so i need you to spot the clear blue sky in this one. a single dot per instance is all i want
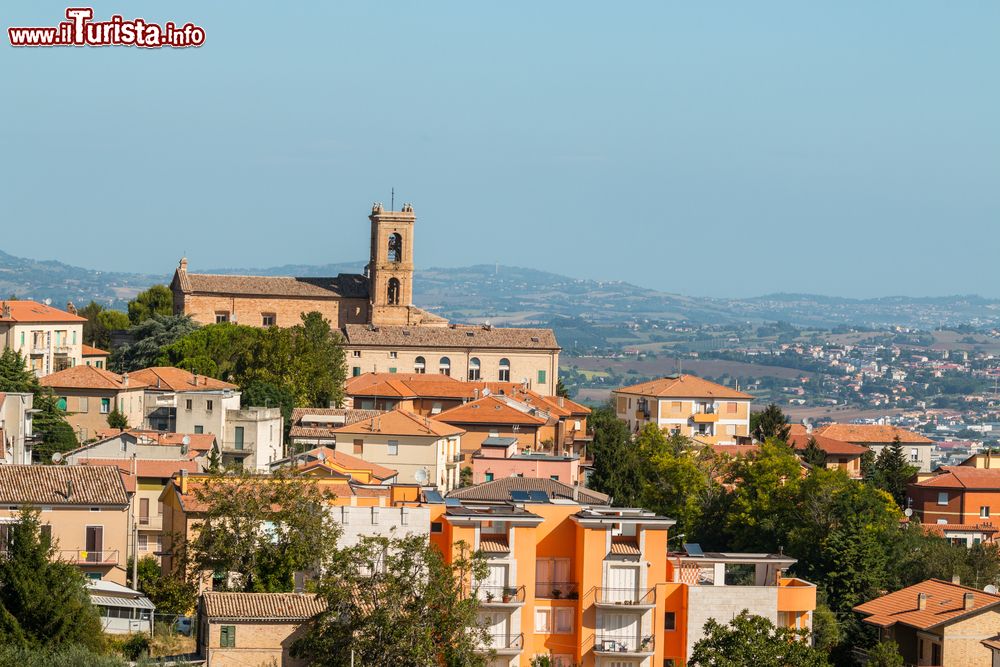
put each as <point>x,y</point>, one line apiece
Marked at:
<point>723,148</point>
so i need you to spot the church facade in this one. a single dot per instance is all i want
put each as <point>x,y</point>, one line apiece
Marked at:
<point>383,330</point>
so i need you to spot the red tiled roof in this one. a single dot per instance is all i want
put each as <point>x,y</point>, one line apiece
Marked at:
<point>489,410</point>
<point>408,385</point>
<point>945,603</point>
<point>874,433</point>
<point>32,311</point>
<point>454,336</point>
<point>176,379</point>
<point>963,477</point>
<point>401,422</point>
<point>334,459</point>
<point>493,544</point>
<point>61,485</point>
<point>625,547</point>
<point>89,377</point>
<point>735,451</point>
<point>262,606</point>
<point>161,468</point>
<point>683,386</point>
<point>89,351</point>
<point>799,441</point>
<point>939,528</point>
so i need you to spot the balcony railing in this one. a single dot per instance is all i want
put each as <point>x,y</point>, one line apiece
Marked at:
<point>457,458</point>
<point>501,594</point>
<point>626,597</point>
<point>84,557</point>
<point>616,644</point>
<point>555,590</point>
<point>151,522</point>
<point>244,447</point>
<point>504,643</point>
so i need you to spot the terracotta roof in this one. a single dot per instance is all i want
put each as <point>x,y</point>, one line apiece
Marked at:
<point>262,606</point>
<point>993,643</point>
<point>401,422</point>
<point>455,336</point>
<point>162,468</point>
<point>345,285</point>
<point>799,441</point>
<point>89,351</point>
<point>939,528</point>
<point>408,385</point>
<point>735,451</point>
<point>490,410</point>
<point>963,477</point>
<point>499,489</point>
<point>683,386</point>
<point>875,433</point>
<point>32,311</point>
<point>626,546</point>
<point>168,378</point>
<point>495,544</point>
<point>89,377</point>
<point>944,604</point>
<point>334,458</point>
<point>198,443</point>
<point>61,485</point>
<point>348,417</point>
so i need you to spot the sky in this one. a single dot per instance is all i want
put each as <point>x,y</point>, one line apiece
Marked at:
<point>719,148</point>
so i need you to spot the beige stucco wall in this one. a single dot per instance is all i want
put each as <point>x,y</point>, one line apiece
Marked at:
<point>257,644</point>
<point>962,647</point>
<point>83,408</point>
<point>414,453</point>
<point>66,338</point>
<point>69,534</point>
<point>676,414</point>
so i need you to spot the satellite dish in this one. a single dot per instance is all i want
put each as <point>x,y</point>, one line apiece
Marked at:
<point>321,457</point>
<point>186,440</point>
<point>991,589</point>
<point>421,476</point>
<point>57,458</point>
<point>47,302</point>
<point>908,512</point>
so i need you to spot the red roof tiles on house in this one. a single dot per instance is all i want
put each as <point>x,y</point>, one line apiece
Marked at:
<point>168,378</point>
<point>799,441</point>
<point>90,377</point>
<point>88,351</point>
<point>401,422</point>
<point>872,433</point>
<point>262,606</point>
<point>683,386</point>
<point>490,410</point>
<point>61,485</point>
<point>30,312</point>
<point>963,477</point>
<point>945,603</point>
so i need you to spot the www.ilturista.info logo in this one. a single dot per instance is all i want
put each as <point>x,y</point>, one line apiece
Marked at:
<point>81,30</point>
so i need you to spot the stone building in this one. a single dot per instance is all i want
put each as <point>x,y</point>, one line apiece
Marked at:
<point>384,331</point>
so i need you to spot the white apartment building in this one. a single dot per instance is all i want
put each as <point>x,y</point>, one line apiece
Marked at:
<point>50,339</point>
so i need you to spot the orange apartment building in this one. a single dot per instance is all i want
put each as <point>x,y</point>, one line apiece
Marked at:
<point>687,405</point>
<point>83,510</point>
<point>957,502</point>
<point>594,585</point>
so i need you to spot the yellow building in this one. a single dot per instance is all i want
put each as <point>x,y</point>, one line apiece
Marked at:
<point>687,405</point>
<point>49,339</point>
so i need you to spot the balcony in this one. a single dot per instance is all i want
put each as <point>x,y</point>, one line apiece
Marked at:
<point>504,644</point>
<point>84,557</point>
<point>623,647</point>
<point>619,598</point>
<point>150,522</point>
<point>62,349</point>
<point>557,590</point>
<point>705,417</point>
<point>500,596</point>
<point>39,349</point>
<point>238,448</point>
<point>796,595</point>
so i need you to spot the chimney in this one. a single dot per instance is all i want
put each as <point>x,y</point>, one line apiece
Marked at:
<point>184,482</point>
<point>967,601</point>
<point>70,308</point>
<point>125,379</point>
<point>921,601</point>
<point>300,582</point>
<point>562,401</point>
<point>194,379</point>
<point>183,265</point>
<point>956,579</point>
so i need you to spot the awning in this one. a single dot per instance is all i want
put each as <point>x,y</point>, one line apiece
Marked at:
<point>133,603</point>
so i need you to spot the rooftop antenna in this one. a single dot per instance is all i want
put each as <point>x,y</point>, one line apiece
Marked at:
<point>392,199</point>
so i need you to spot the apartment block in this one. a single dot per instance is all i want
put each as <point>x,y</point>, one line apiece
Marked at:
<point>957,502</point>
<point>875,437</point>
<point>89,394</point>
<point>49,339</point>
<point>16,427</point>
<point>687,405</point>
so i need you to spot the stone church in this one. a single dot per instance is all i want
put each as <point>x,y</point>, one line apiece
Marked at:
<point>383,330</point>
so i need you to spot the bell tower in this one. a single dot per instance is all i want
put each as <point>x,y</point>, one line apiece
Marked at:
<point>390,265</point>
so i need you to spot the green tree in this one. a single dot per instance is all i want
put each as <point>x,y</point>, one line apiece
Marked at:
<point>157,300</point>
<point>100,323</point>
<point>321,362</point>
<point>259,530</point>
<point>561,389</point>
<point>43,601</point>
<point>885,654</point>
<point>617,469</point>
<point>14,373</point>
<point>149,340</point>
<point>395,601</point>
<point>891,471</point>
<point>171,593</point>
<point>465,477</point>
<point>826,629</point>
<point>770,423</point>
<point>813,455</point>
<point>753,640</point>
<point>53,433</point>
<point>118,420</point>
<point>265,394</point>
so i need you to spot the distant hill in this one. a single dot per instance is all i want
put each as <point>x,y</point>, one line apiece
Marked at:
<point>522,296</point>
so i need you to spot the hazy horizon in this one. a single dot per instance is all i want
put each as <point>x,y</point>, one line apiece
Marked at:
<point>730,150</point>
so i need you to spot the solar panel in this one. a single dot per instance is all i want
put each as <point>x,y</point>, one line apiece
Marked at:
<point>693,549</point>
<point>452,502</point>
<point>433,497</point>
<point>538,496</point>
<point>520,496</point>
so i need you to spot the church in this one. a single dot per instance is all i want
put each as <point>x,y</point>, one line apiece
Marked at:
<point>383,331</point>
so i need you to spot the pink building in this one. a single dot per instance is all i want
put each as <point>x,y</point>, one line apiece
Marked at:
<point>498,457</point>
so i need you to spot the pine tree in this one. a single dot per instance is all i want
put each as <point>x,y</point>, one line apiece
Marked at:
<point>771,423</point>
<point>617,468</point>
<point>118,420</point>
<point>891,472</point>
<point>813,455</point>
<point>14,373</point>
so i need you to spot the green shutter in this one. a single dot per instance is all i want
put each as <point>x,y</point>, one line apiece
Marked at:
<point>227,636</point>
<point>541,377</point>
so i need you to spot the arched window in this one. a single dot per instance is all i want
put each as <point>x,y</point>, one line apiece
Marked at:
<point>444,366</point>
<point>474,368</point>
<point>505,370</point>
<point>393,292</point>
<point>419,366</point>
<point>395,247</point>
